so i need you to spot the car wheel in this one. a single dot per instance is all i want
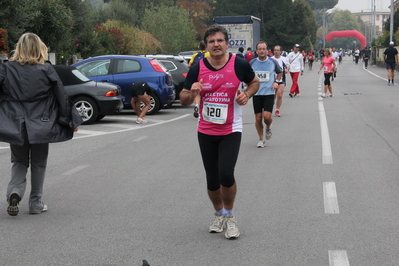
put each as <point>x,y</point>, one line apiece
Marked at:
<point>87,109</point>
<point>155,105</point>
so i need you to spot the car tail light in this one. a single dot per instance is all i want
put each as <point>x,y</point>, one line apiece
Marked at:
<point>112,93</point>
<point>169,79</point>
<point>185,74</point>
<point>156,66</point>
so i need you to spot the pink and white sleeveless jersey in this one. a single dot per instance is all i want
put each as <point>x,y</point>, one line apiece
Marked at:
<point>219,112</point>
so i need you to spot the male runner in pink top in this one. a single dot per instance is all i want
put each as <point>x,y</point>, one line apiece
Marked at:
<point>217,80</point>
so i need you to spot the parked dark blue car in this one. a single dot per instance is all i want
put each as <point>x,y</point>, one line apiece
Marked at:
<point>124,70</point>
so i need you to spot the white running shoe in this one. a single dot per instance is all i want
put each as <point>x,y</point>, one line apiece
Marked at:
<point>231,227</point>
<point>141,120</point>
<point>268,133</point>
<point>217,223</point>
<point>323,95</point>
<point>261,143</point>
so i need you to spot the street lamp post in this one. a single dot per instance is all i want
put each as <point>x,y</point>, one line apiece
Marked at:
<point>391,22</point>
<point>324,28</point>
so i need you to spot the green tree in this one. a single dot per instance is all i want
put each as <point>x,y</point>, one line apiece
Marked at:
<point>135,41</point>
<point>277,20</point>
<point>141,5</point>
<point>54,26</point>
<point>118,10</point>
<point>284,22</point>
<point>177,34</point>
<point>304,27</point>
<point>24,11</point>
<point>322,4</point>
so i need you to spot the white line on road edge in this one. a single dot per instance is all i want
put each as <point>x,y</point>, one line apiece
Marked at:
<point>338,258</point>
<point>75,170</point>
<point>325,136</point>
<point>330,198</point>
<point>374,74</point>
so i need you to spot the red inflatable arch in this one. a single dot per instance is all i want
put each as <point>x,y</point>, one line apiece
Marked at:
<point>348,33</point>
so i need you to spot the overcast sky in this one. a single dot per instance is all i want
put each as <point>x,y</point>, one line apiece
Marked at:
<point>365,5</point>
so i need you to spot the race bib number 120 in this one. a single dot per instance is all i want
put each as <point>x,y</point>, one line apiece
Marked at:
<point>215,112</point>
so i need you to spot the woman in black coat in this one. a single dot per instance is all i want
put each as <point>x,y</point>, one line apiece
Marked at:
<point>34,111</point>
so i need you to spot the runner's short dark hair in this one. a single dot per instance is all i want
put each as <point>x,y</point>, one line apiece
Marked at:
<point>215,29</point>
<point>267,46</point>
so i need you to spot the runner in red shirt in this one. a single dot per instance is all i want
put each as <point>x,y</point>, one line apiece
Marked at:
<point>249,54</point>
<point>310,59</point>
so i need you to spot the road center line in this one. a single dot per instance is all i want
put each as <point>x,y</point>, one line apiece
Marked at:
<point>330,198</point>
<point>325,136</point>
<point>338,258</point>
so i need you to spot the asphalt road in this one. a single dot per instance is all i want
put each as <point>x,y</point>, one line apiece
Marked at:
<point>324,190</point>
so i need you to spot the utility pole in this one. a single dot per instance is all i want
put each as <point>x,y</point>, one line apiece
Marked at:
<point>324,28</point>
<point>391,22</point>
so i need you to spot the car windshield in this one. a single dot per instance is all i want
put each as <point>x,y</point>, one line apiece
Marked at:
<point>168,65</point>
<point>95,68</point>
<point>80,76</point>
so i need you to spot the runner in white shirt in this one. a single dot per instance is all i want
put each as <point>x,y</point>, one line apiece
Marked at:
<point>295,59</point>
<point>285,66</point>
<point>335,55</point>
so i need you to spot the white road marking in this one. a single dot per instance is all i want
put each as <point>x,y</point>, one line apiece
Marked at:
<point>140,138</point>
<point>5,147</point>
<point>338,258</point>
<point>136,127</point>
<point>118,125</point>
<point>374,74</point>
<point>89,133</point>
<point>325,136</point>
<point>75,170</point>
<point>330,198</point>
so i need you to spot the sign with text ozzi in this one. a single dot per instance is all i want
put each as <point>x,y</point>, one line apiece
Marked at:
<point>240,35</point>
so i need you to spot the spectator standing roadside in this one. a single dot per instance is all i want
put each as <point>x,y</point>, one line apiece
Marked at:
<point>391,60</point>
<point>31,90</point>
<point>269,74</point>
<point>285,66</point>
<point>220,121</point>
<point>295,60</point>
